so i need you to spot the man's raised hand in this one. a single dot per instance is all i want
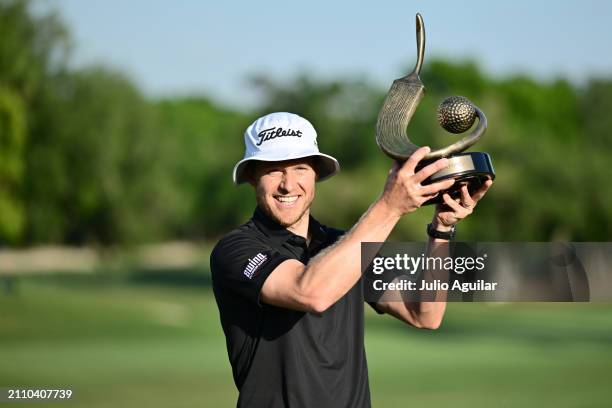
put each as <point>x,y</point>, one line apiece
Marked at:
<point>404,192</point>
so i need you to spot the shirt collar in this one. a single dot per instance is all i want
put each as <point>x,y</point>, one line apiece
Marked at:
<point>280,234</point>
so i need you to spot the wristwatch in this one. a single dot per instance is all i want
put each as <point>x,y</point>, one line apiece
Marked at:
<point>432,232</point>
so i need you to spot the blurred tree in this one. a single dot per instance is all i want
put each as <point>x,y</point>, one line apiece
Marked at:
<point>32,50</point>
<point>595,148</point>
<point>448,78</point>
<point>94,168</point>
<point>595,104</point>
<point>203,142</point>
<point>12,140</point>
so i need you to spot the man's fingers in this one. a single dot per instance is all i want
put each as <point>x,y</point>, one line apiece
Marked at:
<point>415,158</point>
<point>455,206</point>
<point>478,194</point>
<point>430,169</point>
<point>434,188</point>
<point>466,199</point>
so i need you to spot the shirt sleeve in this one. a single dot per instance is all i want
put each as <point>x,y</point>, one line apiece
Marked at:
<point>241,264</point>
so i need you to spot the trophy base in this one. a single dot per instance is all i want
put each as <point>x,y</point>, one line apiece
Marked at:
<point>471,169</point>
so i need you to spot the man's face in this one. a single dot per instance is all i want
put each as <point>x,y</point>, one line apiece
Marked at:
<point>285,190</point>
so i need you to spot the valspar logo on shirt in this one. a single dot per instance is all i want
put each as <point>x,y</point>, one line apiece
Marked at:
<point>254,264</point>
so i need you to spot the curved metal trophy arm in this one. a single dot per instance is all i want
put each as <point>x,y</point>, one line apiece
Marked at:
<point>401,103</point>
<point>420,38</point>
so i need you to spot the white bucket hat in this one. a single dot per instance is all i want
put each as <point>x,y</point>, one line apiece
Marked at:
<point>282,136</point>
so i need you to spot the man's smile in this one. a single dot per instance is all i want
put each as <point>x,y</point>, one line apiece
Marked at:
<point>286,200</point>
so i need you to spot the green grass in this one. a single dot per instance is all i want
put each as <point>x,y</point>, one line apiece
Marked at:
<point>143,346</point>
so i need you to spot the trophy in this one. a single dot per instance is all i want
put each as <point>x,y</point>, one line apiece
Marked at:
<point>456,114</point>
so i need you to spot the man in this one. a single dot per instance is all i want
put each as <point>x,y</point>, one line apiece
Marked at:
<point>289,290</point>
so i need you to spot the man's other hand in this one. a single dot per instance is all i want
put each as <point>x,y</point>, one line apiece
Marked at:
<point>451,211</point>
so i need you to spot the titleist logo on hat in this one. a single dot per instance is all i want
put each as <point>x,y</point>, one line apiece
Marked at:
<point>274,132</point>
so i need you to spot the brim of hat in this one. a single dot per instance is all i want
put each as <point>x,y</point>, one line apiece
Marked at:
<point>326,165</point>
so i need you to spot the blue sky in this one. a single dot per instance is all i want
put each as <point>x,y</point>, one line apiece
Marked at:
<point>190,47</point>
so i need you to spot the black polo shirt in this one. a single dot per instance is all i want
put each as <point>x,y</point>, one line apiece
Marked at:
<point>282,357</point>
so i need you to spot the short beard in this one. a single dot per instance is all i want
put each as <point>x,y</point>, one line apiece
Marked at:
<point>288,224</point>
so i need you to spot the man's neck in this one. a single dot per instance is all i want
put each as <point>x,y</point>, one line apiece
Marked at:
<point>301,226</point>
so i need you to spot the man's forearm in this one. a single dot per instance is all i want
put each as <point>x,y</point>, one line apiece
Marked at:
<point>426,314</point>
<point>332,273</point>
<point>430,313</point>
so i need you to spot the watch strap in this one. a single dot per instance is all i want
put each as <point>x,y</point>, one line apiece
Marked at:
<point>434,233</point>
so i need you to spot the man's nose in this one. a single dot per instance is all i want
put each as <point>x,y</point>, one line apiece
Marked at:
<point>287,182</point>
